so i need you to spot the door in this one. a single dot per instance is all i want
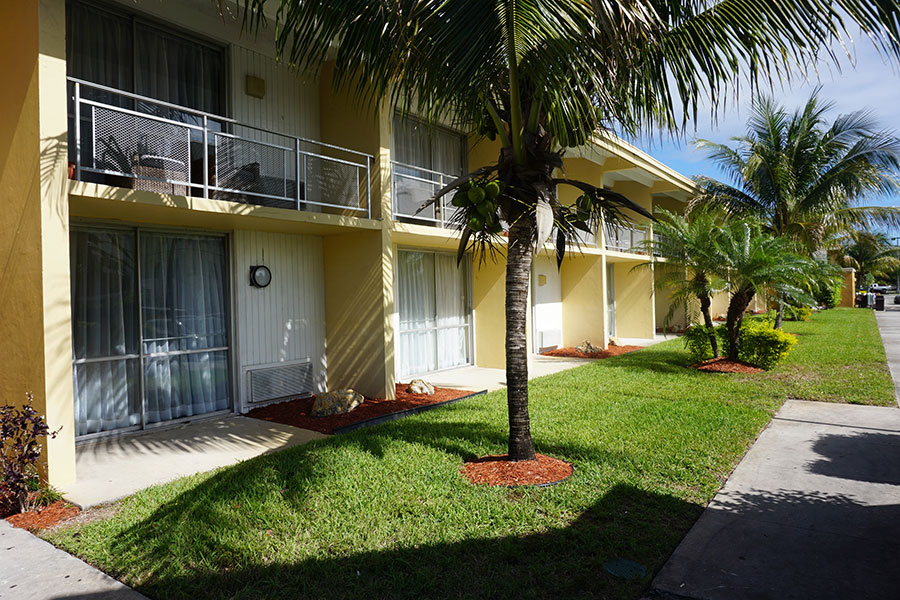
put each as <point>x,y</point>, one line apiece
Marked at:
<point>149,327</point>
<point>611,299</point>
<point>434,312</point>
<point>546,298</point>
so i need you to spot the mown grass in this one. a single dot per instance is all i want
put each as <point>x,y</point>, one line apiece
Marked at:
<point>384,513</point>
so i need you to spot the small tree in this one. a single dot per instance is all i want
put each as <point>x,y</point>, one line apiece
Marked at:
<point>755,262</point>
<point>689,248</point>
<point>21,429</point>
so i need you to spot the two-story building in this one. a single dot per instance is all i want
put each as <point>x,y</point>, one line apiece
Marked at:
<point>190,228</point>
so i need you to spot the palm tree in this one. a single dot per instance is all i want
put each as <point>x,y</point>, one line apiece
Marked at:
<point>688,247</point>
<point>804,177</point>
<point>868,253</point>
<point>543,76</point>
<point>754,261</point>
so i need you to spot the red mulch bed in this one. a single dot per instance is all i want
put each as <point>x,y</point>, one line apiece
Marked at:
<point>497,470</point>
<point>573,353</point>
<point>723,365</point>
<point>296,412</point>
<point>46,516</point>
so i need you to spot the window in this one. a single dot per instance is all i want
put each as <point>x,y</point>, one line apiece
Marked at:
<point>424,160</point>
<point>149,327</point>
<point>434,312</point>
<point>125,52</point>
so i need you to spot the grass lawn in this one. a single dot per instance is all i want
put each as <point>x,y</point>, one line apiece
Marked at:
<point>383,512</point>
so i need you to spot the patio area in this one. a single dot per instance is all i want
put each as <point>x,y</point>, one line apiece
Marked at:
<point>114,467</point>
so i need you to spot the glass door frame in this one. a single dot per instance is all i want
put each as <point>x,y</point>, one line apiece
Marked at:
<point>139,319</point>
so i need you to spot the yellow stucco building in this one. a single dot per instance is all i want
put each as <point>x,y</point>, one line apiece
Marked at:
<point>191,229</point>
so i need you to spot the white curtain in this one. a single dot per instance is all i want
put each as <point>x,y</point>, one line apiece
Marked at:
<point>452,313</point>
<point>433,312</point>
<point>104,330</point>
<point>416,309</point>
<point>184,302</point>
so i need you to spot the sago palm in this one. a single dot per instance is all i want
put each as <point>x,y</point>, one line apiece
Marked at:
<point>687,247</point>
<point>541,76</point>
<point>753,261</point>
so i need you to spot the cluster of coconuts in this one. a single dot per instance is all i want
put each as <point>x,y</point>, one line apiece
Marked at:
<point>479,201</point>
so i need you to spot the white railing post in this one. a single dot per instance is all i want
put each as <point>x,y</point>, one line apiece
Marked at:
<point>206,157</point>
<point>297,172</point>
<point>369,188</point>
<point>77,131</point>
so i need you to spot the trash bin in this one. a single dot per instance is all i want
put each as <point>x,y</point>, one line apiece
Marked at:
<point>879,302</point>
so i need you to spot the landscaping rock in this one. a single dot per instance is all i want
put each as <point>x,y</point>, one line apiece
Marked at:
<point>420,386</point>
<point>587,348</point>
<point>337,402</point>
<point>614,341</point>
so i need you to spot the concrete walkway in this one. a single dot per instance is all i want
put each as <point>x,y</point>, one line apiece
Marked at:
<point>812,511</point>
<point>889,326</point>
<point>32,569</point>
<point>115,467</point>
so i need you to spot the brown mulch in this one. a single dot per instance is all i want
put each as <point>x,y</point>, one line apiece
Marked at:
<point>723,365</point>
<point>497,470</point>
<point>296,412</point>
<point>44,517</point>
<point>573,353</point>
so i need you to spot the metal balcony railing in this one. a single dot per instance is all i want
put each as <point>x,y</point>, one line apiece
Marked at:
<point>412,186</point>
<point>625,239</point>
<point>133,141</point>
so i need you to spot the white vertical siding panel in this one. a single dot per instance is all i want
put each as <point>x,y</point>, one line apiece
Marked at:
<point>291,104</point>
<point>285,321</point>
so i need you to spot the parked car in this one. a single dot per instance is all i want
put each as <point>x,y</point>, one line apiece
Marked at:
<point>897,299</point>
<point>880,288</point>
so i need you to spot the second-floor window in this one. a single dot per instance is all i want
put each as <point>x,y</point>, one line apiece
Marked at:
<point>125,52</point>
<point>425,159</point>
<point>428,148</point>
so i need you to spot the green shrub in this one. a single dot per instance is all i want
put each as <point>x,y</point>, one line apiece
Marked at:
<point>828,295</point>
<point>763,346</point>
<point>797,313</point>
<point>696,340</point>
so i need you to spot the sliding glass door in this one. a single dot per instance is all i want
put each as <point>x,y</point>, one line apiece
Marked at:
<point>434,314</point>
<point>150,327</point>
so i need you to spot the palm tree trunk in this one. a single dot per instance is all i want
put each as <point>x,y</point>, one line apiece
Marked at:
<point>779,314</point>
<point>740,300</point>
<point>705,302</point>
<point>518,271</point>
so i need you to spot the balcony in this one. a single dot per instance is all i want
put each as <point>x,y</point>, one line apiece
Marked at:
<point>411,187</point>
<point>625,239</point>
<point>132,141</point>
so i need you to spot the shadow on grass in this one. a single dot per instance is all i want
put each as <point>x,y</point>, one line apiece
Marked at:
<point>559,563</point>
<point>654,359</point>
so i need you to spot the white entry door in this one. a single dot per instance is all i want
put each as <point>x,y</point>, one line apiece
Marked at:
<point>546,298</point>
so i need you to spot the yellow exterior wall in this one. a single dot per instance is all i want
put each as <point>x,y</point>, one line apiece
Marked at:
<point>663,302</point>
<point>359,304</point>
<point>635,316</point>
<point>35,330</point>
<point>848,290</point>
<point>582,300</point>
<point>489,305</point>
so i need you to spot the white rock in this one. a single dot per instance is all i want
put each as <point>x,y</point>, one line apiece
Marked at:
<point>420,386</point>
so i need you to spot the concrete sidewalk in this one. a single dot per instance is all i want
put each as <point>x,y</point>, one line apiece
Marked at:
<point>889,326</point>
<point>812,511</point>
<point>32,569</point>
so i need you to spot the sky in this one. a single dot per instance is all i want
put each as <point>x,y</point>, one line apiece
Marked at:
<point>865,82</point>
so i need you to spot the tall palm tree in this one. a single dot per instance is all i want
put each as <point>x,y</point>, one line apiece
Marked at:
<point>753,261</point>
<point>542,76</point>
<point>803,177</point>
<point>688,247</point>
<point>870,254</point>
